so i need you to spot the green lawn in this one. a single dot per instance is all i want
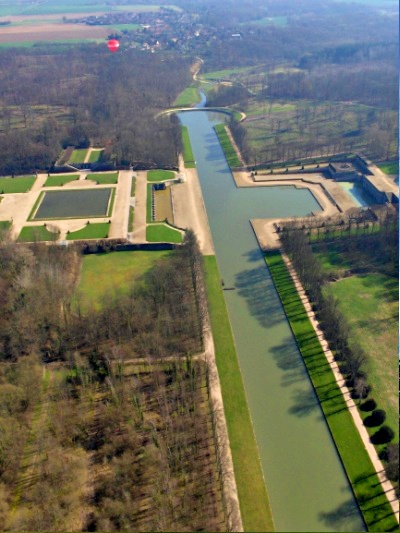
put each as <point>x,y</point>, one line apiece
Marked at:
<point>5,225</point>
<point>370,305</point>
<point>253,497</point>
<point>373,503</point>
<point>390,167</point>
<point>154,176</point>
<point>16,185</point>
<point>188,156</point>
<point>95,155</point>
<point>94,230</point>
<point>111,274</point>
<point>108,178</point>
<point>188,97</point>
<point>36,233</point>
<point>163,233</point>
<point>229,151</point>
<point>131,218</point>
<point>78,155</point>
<point>62,179</point>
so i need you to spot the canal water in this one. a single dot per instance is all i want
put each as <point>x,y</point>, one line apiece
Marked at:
<point>306,483</point>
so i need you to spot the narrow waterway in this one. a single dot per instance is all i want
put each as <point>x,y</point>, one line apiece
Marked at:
<point>306,483</point>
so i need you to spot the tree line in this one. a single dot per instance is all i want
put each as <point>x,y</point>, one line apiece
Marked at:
<point>350,356</point>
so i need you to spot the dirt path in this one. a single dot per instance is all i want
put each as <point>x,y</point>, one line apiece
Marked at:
<point>189,209</point>
<point>387,487</point>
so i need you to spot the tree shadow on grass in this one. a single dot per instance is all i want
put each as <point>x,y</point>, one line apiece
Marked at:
<point>259,292</point>
<point>343,518</point>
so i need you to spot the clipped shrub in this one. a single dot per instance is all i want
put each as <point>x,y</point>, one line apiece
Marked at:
<point>384,435</point>
<point>368,405</point>
<point>376,418</point>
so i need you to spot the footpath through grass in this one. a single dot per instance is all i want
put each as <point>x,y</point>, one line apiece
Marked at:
<point>375,508</point>
<point>229,151</point>
<point>188,155</point>
<point>253,497</point>
<point>16,185</point>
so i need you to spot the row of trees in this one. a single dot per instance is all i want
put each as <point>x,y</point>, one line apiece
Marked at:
<point>350,356</point>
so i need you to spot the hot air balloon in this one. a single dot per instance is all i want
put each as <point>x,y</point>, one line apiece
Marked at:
<point>113,45</point>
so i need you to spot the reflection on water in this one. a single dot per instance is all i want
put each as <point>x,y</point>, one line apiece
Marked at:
<point>305,479</point>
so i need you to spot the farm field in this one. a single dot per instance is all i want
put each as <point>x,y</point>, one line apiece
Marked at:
<point>105,275</point>
<point>16,185</point>
<point>74,204</point>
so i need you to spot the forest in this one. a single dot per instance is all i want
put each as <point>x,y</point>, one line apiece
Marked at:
<point>105,416</point>
<point>55,96</point>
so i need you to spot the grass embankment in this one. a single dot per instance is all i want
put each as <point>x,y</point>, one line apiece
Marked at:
<point>16,185</point>
<point>104,179</point>
<point>95,230</point>
<point>188,98</point>
<point>229,151</point>
<point>36,233</point>
<point>390,167</point>
<point>155,176</point>
<point>78,155</point>
<point>163,233</point>
<point>105,275</point>
<point>188,156</point>
<point>254,504</point>
<point>60,180</point>
<point>377,513</point>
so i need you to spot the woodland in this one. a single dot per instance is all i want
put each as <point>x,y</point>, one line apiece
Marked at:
<point>105,418</point>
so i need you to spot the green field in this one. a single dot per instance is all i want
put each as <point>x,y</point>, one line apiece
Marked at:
<point>94,230</point>
<point>156,176</point>
<point>104,275</point>
<point>188,156</point>
<point>163,233</point>
<point>78,155</point>
<point>36,233</point>
<point>229,151</point>
<point>370,305</point>
<point>95,155</point>
<point>16,185</point>
<point>5,225</point>
<point>108,178</point>
<point>390,167</point>
<point>253,497</point>
<point>373,503</point>
<point>60,180</point>
<point>187,98</point>
<point>62,6</point>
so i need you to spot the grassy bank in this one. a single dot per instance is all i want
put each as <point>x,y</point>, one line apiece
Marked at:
<point>188,156</point>
<point>254,504</point>
<point>189,97</point>
<point>229,151</point>
<point>377,513</point>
